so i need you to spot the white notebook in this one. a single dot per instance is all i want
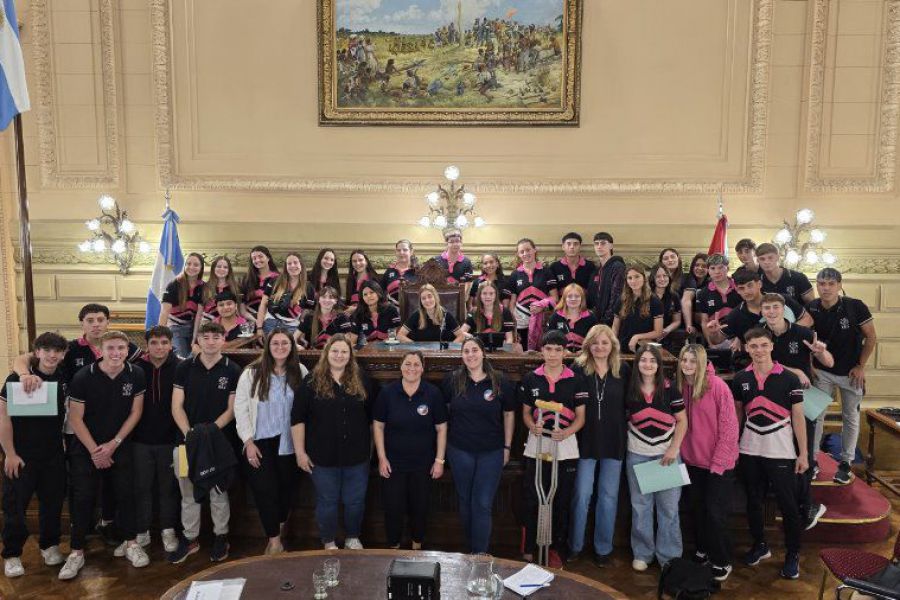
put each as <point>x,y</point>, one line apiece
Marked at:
<point>528,580</point>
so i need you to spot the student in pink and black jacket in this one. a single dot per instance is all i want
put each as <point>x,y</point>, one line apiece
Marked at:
<point>710,450</point>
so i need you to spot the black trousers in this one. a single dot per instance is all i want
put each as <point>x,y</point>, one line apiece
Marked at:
<point>759,475</point>
<point>47,478</point>
<point>272,485</point>
<point>406,494</point>
<point>710,497</point>
<point>86,477</point>
<point>562,502</point>
<point>804,481</point>
<point>154,475</point>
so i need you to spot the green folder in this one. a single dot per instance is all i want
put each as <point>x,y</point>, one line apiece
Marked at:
<point>41,403</point>
<point>653,477</point>
<point>815,401</point>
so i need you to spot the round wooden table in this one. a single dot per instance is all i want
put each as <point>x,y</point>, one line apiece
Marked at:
<point>364,576</point>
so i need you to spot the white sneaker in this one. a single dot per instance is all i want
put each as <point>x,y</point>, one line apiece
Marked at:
<point>639,565</point>
<point>119,552</point>
<point>52,556</point>
<point>353,544</point>
<point>143,539</point>
<point>72,566</point>
<point>137,556</point>
<point>331,546</point>
<point>169,540</point>
<point>12,567</point>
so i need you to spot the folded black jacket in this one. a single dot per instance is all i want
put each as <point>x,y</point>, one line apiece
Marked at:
<point>211,459</point>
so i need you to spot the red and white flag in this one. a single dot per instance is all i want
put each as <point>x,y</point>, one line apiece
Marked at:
<point>719,243</point>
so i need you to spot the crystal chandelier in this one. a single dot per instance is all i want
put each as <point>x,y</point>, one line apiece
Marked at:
<point>802,243</point>
<point>451,207</point>
<point>114,234</point>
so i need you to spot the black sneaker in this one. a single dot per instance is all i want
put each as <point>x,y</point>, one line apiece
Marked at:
<point>185,548</point>
<point>573,557</point>
<point>721,573</point>
<point>701,558</point>
<point>219,550</point>
<point>842,476</point>
<point>601,560</point>
<point>757,553</point>
<point>109,534</point>
<point>813,513</point>
<point>791,568</point>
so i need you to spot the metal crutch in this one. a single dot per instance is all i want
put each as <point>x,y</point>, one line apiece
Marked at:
<point>545,498</point>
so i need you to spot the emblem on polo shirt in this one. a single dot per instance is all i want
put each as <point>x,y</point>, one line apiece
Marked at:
<point>223,383</point>
<point>488,395</point>
<point>422,409</point>
<point>535,392</point>
<point>845,323</point>
<point>560,325</point>
<point>745,387</point>
<point>790,290</point>
<point>126,389</point>
<point>794,347</point>
<point>79,362</point>
<point>710,302</point>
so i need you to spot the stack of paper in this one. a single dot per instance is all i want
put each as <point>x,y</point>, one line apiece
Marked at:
<point>653,477</point>
<point>222,589</point>
<point>528,580</point>
<point>815,401</point>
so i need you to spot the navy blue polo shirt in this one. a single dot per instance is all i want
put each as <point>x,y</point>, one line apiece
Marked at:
<point>507,322</point>
<point>742,319</point>
<point>500,282</point>
<point>206,391</point>
<point>564,274</point>
<point>107,400</point>
<point>460,271</point>
<point>375,329</point>
<point>393,278</point>
<point>635,323</point>
<point>181,314</point>
<point>710,301</point>
<point>339,324</point>
<point>841,328</point>
<point>81,354</point>
<point>476,414</point>
<point>790,350</point>
<point>432,332</point>
<point>410,438</point>
<point>792,284</point>
<point>575,331</point>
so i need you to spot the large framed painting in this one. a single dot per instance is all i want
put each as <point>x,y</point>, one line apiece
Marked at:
<point>449,62</point>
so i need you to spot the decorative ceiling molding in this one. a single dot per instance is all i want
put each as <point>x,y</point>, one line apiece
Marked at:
<point>51,174</point>
<point>889,108</point>
<point>752,180</point>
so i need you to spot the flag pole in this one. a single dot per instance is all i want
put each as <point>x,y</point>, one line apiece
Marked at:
<point>25,232</point>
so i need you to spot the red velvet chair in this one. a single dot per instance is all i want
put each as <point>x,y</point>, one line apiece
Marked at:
<point>846,564</point>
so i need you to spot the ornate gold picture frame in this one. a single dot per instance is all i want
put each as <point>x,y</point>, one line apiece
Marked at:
<point>449,62</point>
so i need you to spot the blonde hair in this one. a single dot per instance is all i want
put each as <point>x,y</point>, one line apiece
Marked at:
<point>351,379</point>
<point>438,309</point>
<point>586,361</point>
<point>699,383</point>
<point>572,287</point>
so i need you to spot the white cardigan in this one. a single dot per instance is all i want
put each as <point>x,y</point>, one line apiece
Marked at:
<point>247,404</point>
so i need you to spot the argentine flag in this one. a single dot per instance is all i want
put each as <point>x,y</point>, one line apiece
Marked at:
<point>13,91</point>
<point>169,262</point>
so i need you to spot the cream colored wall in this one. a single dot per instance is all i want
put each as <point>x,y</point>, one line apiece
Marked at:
<point>780,103</point>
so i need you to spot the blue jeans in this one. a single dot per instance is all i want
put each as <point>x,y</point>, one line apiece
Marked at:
<point>269,325</point>
<point>346,485</point>
<point>476,476</point>
<point>182,336</point>
<point>668,528</point>
<point>607,489</point>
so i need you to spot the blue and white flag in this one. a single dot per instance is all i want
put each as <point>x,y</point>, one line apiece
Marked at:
<point>169,262</point>
<point>13,91</point>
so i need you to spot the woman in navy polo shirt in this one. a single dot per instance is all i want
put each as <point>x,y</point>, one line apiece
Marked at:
<point>662,286</point>
<point>491,270</point>
<point>697,278</point>
<point>325,321</point>
<point>375,315</point>
<point>431,323</point>
<point>181,304</point>
<point>671,260</point>
<point>572,317</point>
<point>639,314</point>
<point>359,271</point>
<point>482,419</point>
<point>261,269</point>
<point>221,278</point>
<point>282,304</point>
<point>410,431</point>
<point>402,269</point>
<point>324,273</point>
<point>489,315</point>
<point>532,290</point>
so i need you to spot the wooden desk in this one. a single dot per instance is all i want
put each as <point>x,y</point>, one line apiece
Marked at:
<point>876,421</point>
<point>364,575</point>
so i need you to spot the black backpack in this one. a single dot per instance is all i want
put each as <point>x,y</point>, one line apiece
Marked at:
<point>683,579</point>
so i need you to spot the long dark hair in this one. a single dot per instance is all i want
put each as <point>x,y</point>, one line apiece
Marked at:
<point>659,380</point>
<point>284,281</point>
<point>698,257</point>
<point>352,275</point>
<point>674,276</point>
<point>211,288</point>
<point>251,280</point>
<point>264,366</point>
<point>499,276</point>
<point>182,278</point>
<point>461,375</point>
<point>331,279</point>
<point>651,280</point>
<point>362,309</point>
<point>478,312</point>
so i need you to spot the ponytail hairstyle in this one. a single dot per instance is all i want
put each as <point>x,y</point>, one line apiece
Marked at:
<point>530,242</point>
<point>629,300</point>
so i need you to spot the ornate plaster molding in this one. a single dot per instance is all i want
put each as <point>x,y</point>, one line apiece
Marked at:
<point>752,180</point>
<point>51,174</point>
<point>883,179</point>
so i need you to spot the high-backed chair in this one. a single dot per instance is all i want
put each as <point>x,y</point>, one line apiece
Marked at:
<point>452,298</point>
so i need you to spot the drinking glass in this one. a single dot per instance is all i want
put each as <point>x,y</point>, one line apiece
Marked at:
<point>320,585</point>
<point>332,568</point>
<point>392,335</point>
<point>480,584</point>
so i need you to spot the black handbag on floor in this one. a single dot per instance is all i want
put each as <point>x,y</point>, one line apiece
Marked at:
<point>683,579</point>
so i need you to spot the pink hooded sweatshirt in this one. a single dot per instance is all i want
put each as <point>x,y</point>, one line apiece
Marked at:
<point>711,441</point>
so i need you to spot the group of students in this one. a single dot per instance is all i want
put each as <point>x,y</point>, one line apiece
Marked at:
<point>129,411</point>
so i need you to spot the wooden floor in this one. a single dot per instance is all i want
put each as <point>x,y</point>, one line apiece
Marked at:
<point>106,577</point>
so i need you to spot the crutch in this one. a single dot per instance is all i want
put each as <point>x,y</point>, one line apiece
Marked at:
<point>545,498</point>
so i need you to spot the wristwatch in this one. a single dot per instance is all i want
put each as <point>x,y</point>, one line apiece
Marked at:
<point>440,461</point>
<point>118,441</point>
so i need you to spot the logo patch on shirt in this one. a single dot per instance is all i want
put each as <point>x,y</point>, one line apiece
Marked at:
<point>488,395</point>
<point>710,303</point>
<point>745,387</point>
<point>790,290</point>
<point>845,323</point>
<point>79,362</point>
<point>422,409</point>
<point>535,392</point>
<point>794,348</point>
<point>223,383</point>
<point>560,326</point>
<point>126,389</point>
